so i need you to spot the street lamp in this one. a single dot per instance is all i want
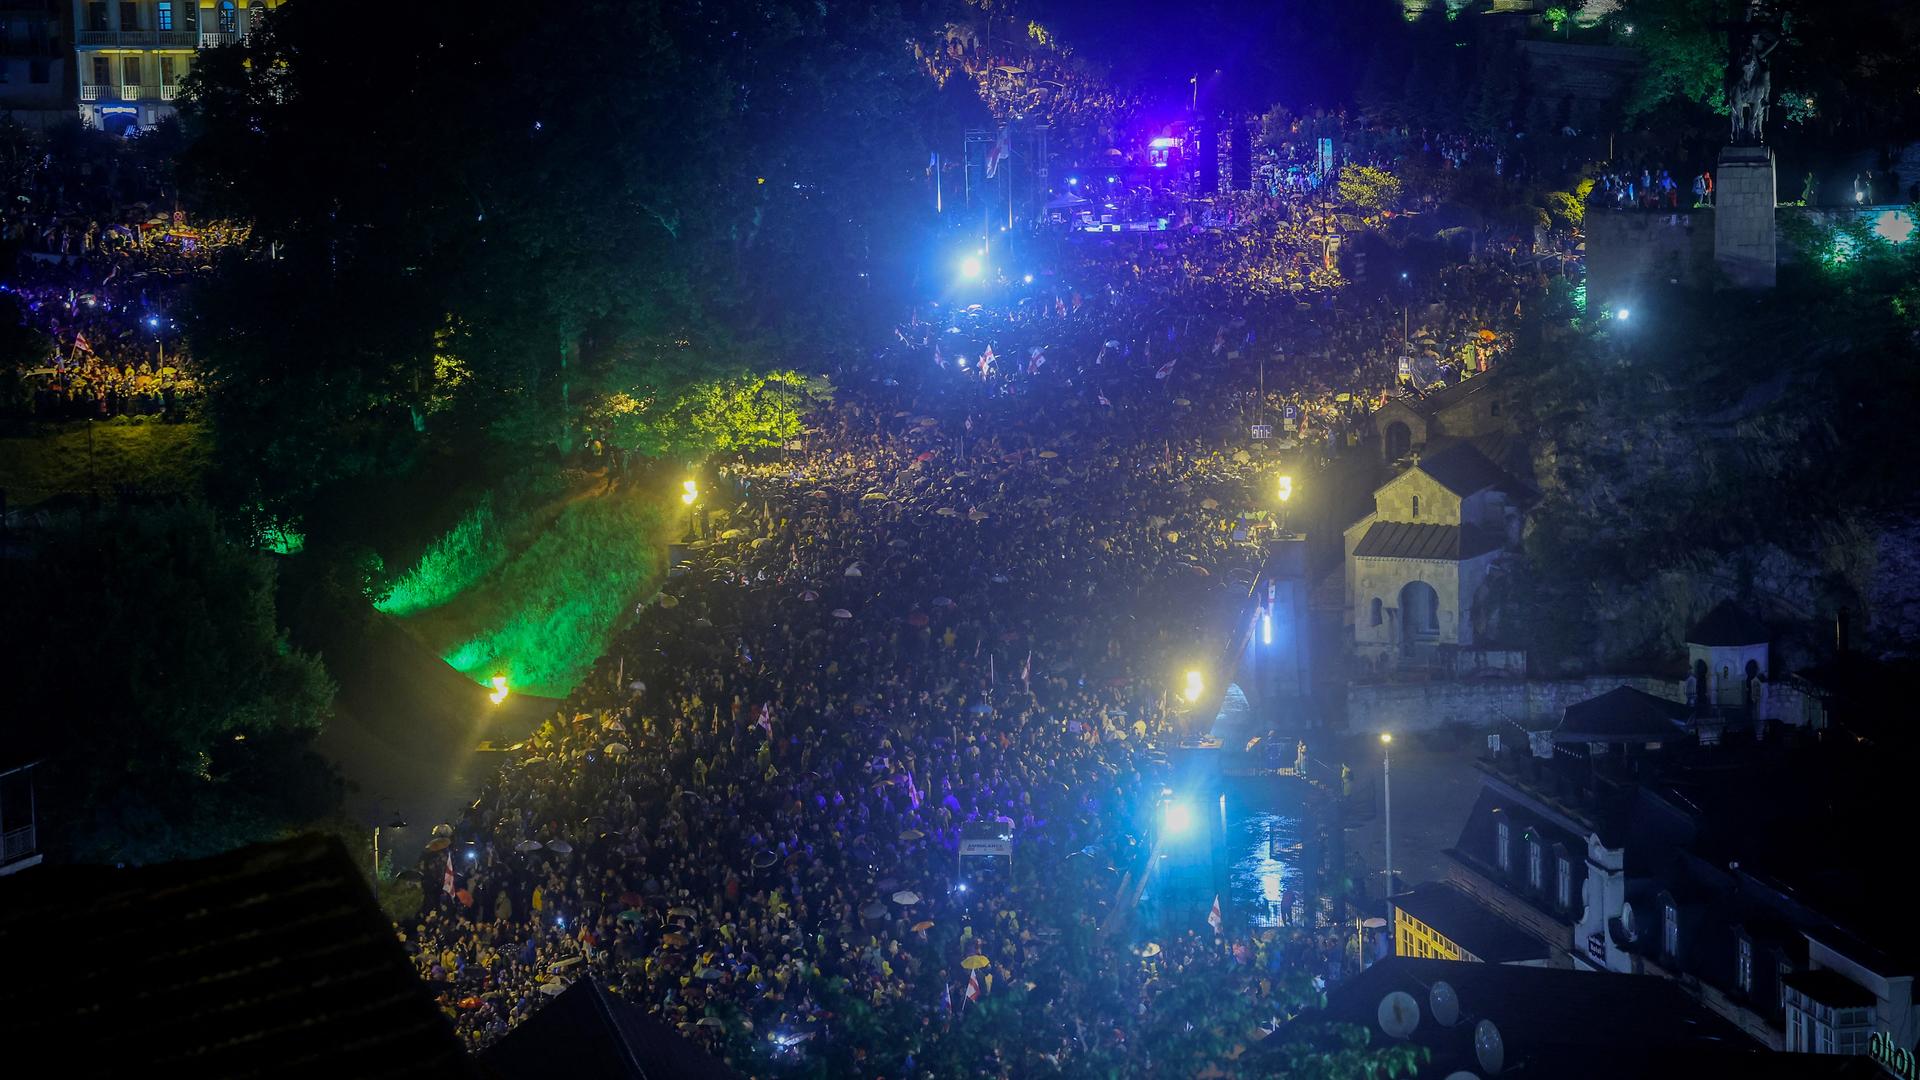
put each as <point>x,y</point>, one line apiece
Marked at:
<point>1386,773</point>
<point>690,494</point>
<point>1195,686</point>
<point>1286,494</point>
<point>499,684</point>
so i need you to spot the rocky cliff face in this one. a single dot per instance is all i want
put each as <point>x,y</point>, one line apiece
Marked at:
<point>1728,460</point>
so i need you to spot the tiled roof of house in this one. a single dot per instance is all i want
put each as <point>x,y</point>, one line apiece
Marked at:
<point>1408,540</point>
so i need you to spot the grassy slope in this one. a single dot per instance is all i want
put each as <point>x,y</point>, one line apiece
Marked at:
<point>163,459</point>
<point>544,612</point>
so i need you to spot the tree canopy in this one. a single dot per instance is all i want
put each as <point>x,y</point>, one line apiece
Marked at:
<point>522,221</point>
<point>150,640</point>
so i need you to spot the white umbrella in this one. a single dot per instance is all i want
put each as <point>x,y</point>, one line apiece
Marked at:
<point>906,898</point>
<point>842,613</point>
<point>561,846</point>
<point>527,845</point>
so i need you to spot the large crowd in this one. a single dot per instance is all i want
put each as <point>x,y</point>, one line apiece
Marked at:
<point>103,295</point>
<point>957,613</point>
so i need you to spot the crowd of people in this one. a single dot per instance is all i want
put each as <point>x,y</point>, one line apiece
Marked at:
<point>102,294</point>
<point>956,614</point>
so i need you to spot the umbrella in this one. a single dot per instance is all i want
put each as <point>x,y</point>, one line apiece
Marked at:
<point>976,515</point>
<point>561,846</point>
<point>927,421</point>
<point>443,830</point>
<point>809,596</point>
<point>616,748</point>
<point>875,910</point>
<point>673,941</point>
<point>874,496</point>
<point>686,912</point>
<point>439,843</point>
<point>923,926</point>
<point>713,974</point>
<point>906,898</point>
<point>1150,949</point>
<point>469,1002</point>
<point>562,965</point>
<point>667,600</point>
<point>554,988</point>
<point>854,570</point>
<point>631,916</point>
<point>409,874</point>
<point>974,962</point>
<point>818,495</point>
<point>1210,504</point>
<point>912,834</point>
<point>1048,454</point>
<point>527,845</point>
<point>733,534</point>
<point>947,511</point>
<point>1241,457</point>
<point>842,613</point>
<point>1182,402</point>
<point>764,860</point>
<point>896,542</point>
<point>918,618</point>
<point>710,1021</point>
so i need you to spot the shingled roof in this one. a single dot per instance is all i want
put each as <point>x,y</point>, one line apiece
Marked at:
<point>1464,470</point>
<point>1623,714</point>
<point>271,960</point>
<point>1407,540</point>
<point>589,1032</point>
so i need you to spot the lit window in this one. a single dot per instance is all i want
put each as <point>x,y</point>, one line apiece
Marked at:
<point>1500,849</point>
<point>1563,883</point>
<point>163,15</point>
<point>1533,864</point>
<point>1743,970</point>
<point>1671,936</point>
<point>229,17</point>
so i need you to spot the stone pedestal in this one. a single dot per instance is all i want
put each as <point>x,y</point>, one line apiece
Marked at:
<point>1743,208</point>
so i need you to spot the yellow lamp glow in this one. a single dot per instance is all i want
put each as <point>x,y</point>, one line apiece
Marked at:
<point>689,491</point>
<point>1286,488</point>
<point>499,689</point>
<point>1386,737</point>
<point>1194,687</point>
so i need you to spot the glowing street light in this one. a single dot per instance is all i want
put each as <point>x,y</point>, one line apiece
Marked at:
<point>499,689</point>
<point>1195,686</point>
<point>1623,314</point>
<point>1177,819</point>
<point>689,491</point>
<point>1386,774</point>
<point>1286,488</point>
<point>970,266</point>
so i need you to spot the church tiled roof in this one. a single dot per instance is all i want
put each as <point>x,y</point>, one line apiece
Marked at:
<point>1406,540</point>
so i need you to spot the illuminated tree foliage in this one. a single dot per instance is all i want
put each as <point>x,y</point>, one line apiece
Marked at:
<point>1368,189</point>
<point>738,412</point>
<point>671,199</point>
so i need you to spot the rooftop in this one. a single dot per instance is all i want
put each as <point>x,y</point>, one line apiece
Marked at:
<point>273,959</point>
<point>1406,540</point>
<point>1461,920</point>
<point>1623,714</point>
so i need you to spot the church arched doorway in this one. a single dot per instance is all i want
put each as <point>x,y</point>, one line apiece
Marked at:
<point>1399,440</point>
<point>1419,615</point>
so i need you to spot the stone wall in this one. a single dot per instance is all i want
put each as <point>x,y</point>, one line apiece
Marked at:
<point>1533,703</point>
<point>1631,253</point>
<point>1744,199</point>
<point>1593,74</point>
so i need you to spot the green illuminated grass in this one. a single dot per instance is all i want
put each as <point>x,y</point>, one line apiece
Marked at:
<point>544,614</point>
<point>472,549</point>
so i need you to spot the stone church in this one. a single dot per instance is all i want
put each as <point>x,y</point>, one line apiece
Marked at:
<point>1416,565</point>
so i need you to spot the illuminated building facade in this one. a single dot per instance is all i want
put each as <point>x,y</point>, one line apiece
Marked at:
<point>130,56</point>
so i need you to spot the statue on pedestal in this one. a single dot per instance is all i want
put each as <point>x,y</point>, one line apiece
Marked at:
<point>1749,82</point>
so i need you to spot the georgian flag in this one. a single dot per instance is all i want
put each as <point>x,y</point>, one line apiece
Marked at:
<point>1213,917</point>
<point>446,883</point>
<point>973,986</point>
<point>1002,150</point>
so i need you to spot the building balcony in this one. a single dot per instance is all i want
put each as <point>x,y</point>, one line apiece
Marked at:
<point>136,39</point>
<point>125,92</point>
<point>17,844</point>
<point>211,38</point>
